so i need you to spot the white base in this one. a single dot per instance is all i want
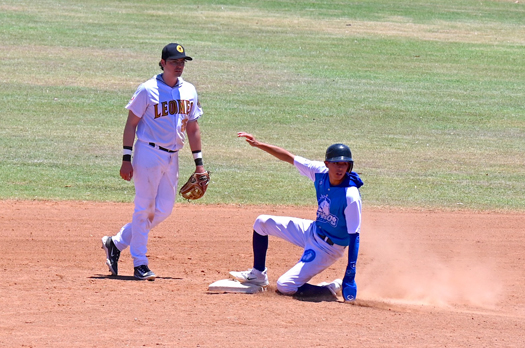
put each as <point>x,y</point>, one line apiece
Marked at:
<point>229,285</point>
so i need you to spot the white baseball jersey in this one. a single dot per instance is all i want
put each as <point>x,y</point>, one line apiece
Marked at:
<point>165,111</point>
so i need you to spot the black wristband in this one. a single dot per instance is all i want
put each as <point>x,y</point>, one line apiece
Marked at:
<point>198,162</point>
<point>127,147</point>
<point>126,158</point>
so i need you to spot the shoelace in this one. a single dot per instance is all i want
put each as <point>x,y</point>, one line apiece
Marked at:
<point>144,268</point>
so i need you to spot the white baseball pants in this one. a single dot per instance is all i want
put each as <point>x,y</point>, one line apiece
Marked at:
<point>155,174</point>
<point>317,256</point>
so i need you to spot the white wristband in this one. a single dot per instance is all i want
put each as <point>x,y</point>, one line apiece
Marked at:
<point>197,155</point>
<point>126,152</point>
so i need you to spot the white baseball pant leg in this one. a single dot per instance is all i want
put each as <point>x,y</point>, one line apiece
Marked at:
<point>317,256</point>
<point>155,174</point>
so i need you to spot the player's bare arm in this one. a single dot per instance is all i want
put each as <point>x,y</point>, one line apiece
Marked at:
<point>128,138</point>
<point>280,153</point>
<point>194,139</point>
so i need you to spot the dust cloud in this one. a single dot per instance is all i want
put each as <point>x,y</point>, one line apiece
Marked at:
<point>427,270</point>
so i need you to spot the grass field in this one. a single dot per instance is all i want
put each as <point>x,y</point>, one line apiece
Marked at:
<point>428,94</point>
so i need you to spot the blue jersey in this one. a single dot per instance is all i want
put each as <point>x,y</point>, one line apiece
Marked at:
<point>339,207</point>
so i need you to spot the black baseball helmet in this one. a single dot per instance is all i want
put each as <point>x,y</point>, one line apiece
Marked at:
<point>338,153</point>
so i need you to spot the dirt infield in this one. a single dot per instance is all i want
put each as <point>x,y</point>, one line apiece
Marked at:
<point>425,279</point>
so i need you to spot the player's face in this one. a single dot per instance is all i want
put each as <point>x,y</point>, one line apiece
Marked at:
<point>337,171</point>
<point>174,67</point>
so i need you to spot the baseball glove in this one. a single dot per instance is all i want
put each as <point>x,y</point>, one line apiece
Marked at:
<point>196,186</point>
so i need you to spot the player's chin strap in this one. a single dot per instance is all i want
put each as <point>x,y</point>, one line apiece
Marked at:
<point>349,285</point>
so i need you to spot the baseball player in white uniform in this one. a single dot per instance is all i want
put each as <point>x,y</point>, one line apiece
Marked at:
<point>324,240</point>
<point>162,110</point>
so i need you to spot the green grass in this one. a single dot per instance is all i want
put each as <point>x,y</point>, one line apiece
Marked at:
<point>428,94</point>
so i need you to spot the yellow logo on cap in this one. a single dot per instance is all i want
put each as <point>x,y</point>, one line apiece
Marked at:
<point>180,49</point>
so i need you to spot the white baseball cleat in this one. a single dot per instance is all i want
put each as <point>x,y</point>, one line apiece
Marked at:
<point>252,276</point>
<point>334,287</point>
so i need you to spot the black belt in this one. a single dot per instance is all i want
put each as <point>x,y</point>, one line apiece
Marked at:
<point>325,238</point>
<point>162,148</point>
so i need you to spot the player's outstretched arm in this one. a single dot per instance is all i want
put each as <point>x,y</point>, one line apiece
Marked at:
<point>280,153</point>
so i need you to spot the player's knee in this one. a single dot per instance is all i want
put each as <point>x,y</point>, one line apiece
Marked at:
<point>261,224</point>
<point>144,205</point>
<point>286,287</point>
<point>158,217</point>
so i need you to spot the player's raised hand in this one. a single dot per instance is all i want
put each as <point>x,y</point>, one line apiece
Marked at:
<point>249,138</point>
<point>273,150</point>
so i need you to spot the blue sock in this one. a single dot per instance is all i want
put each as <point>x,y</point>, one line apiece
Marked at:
<point>260,246</point>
